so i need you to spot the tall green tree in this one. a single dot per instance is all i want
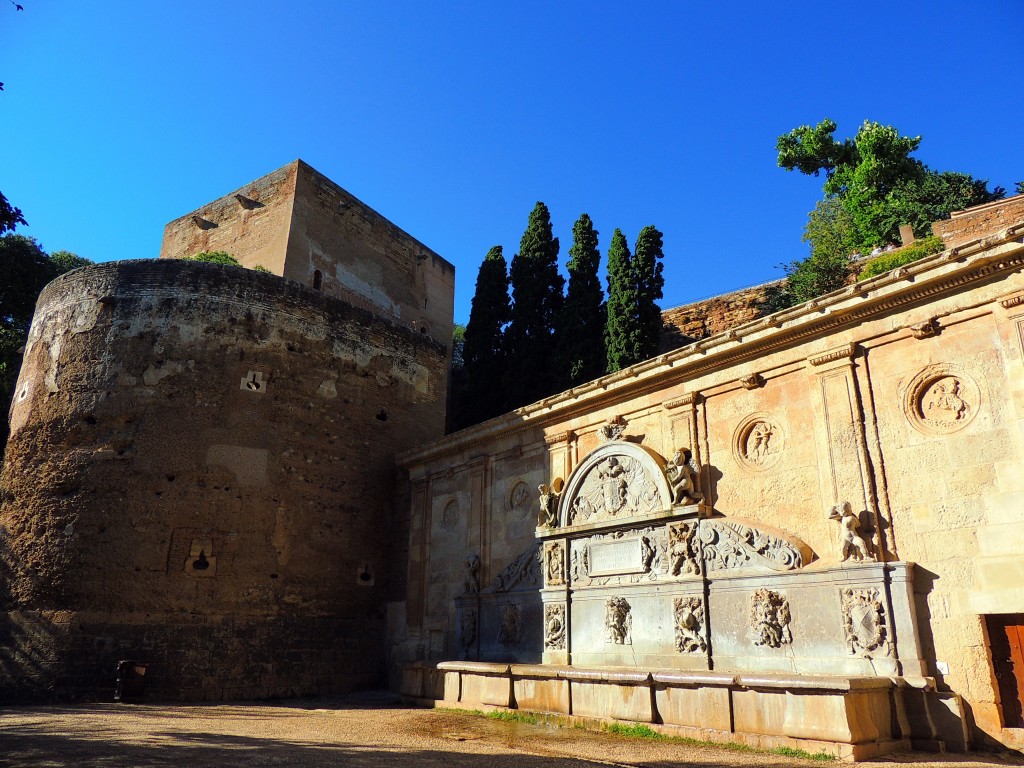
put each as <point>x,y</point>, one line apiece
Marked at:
<point>621,335</point>
<point>649,280</point>
<point>483,392</point>
<point>583,316</point>
<point>536,309</point>
<point>25,269</point>
<point>10,217</point>
<point>877,181</point>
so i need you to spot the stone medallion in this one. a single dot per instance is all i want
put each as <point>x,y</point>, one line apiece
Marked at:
<point>941,399</point>
<point>450,515</point>
<point>864,622</point>
<point>758,442</point>
<point>520,501</point>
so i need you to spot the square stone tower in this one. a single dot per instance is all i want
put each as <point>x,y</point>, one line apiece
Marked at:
<point>299,224</point>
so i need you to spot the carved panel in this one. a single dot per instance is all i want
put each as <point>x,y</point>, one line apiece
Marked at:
<point>619,557</point>
<point>520,501</point>
<point>769,619</point>
<point>941,399</point>
<point>758,442</point>
<point>618,622</point>
<point>450,515</point>
<point>733,544</point>
<point>554,563</point>
<point>508,631</point>
<point>554,627</point>
<point>522,573</point>
<point>684,556</point>
<point>690,626</point>
<point>864,622</point>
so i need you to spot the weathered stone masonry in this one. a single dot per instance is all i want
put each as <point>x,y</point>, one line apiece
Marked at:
<point>199,476</point>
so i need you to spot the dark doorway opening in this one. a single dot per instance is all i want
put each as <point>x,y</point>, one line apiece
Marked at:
<point>1006,641</point>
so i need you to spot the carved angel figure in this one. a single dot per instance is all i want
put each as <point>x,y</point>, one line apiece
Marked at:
<point>617,620</point>
<point>471,581</point>
<point>853,543</point>
<point>548,507</point>
<point>683,472</point>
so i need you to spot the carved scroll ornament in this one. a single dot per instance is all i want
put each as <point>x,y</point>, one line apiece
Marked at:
<point>729,543</point>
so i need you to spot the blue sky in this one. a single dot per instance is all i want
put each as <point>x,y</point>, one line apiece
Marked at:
<point>453,119</point>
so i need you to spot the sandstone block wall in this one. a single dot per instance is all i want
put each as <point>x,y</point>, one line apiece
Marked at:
<point>199,476</point>
<point>681,325</point>
<point>301,225</point>
<point>982,220</point>
<point>900,394</point>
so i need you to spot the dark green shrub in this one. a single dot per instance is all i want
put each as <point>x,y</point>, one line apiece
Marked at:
<point>898,258</point>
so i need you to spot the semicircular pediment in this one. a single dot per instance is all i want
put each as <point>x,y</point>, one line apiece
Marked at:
<point>615,481</point>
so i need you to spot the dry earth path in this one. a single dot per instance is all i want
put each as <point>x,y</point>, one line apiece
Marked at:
<point>364,731</point>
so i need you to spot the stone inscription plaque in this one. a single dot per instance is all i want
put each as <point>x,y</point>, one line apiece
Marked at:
<point>609,558</point>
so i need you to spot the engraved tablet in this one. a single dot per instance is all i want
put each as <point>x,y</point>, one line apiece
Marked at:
<point>608,558</point>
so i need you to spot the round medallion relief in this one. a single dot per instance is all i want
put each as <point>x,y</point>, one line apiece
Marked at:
<point>758,441</point>
<point>450,515</point>
<point>519,499</point>
<point>941,399</point>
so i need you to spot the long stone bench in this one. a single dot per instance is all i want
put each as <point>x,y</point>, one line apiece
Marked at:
<point>854,718</point>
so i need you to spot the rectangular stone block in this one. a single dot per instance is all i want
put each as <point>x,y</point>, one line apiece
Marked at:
<point>540,691</point>
<point>853,718</point>
<point>486,689</point>
<point>759,712</point>
<point>704,707</point>
<point>619,701</point>
<point>452,686</point>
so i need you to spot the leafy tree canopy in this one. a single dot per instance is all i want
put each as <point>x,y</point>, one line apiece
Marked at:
<point>214,257</point>
<point>10,217</point>
<point>877,181</point>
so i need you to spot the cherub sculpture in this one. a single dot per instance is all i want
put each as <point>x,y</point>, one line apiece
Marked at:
<point>548,507</point>
<point>854,544</point>
<point>471,579</point>
<point>683,472</point>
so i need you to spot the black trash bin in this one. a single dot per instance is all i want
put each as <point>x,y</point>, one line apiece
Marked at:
<point>131,681</point>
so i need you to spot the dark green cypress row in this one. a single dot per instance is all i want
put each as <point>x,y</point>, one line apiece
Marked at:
<point>649,281</point>
<point>583,318</point>
<point>536,311</point>
<point>620,327</point>
<point>485,366</point>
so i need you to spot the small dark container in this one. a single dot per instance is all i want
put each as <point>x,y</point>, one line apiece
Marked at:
<point>131,681</point>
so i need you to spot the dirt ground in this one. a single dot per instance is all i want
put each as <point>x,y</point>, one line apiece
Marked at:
<point>363,731</point>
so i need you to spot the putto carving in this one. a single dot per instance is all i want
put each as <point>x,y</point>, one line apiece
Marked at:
<point>523,572</point>
<point>613,430</point>
<point>548,516</point>
<point>617,621</point>
<point>689,621</point>
<point>683,550</point>
<point>769,619</point>
<point>554,627</point>
<point>468,627</point>
<point>683,474</point>
<point>733,544</point>
<point>471,575</point>
<point>854,544</point>
<point>508,632</point>
<point>941,399</point>
<point>864,622</point>
<point>758,442</point>
<point>554,563</point>
<point>519,499</point>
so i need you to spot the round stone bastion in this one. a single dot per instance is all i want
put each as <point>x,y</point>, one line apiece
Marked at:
<point>200,478</point>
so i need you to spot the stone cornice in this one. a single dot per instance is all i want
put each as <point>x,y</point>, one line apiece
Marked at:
<point>931,276</point>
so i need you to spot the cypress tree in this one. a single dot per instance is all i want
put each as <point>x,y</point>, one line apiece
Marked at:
<point>583,318</point>
<point>649,281</point>
<point>536,310</point>
<point>485,363</point>
<point>621,327</point>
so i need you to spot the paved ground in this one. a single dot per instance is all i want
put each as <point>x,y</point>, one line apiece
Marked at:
<point>367,731</point>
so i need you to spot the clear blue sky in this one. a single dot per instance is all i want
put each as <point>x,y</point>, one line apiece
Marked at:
<point>453,119</point>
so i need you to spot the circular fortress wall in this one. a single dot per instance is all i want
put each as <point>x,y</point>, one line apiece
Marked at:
<point>200,476</point>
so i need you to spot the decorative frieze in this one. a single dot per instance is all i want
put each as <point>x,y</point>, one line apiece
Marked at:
<point>831,355</point>
<point>690,398</point>
<point>732,544</point>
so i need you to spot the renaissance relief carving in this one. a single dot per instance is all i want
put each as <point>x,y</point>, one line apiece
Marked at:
<point>941,399</point>
<point>864,622</point>
<point>508,632</point>
<point>617,486</point>
<point>854,544</point>
<point>690,631</point>
<point>554,627</point>
<point>758,442</point>
<point>733,544</point>
<point>683,474</point>
<point>468,627</point>
<point>618,622</point>
<point>554,564</point>
<point>769,619</point>
<point>684,556</point>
